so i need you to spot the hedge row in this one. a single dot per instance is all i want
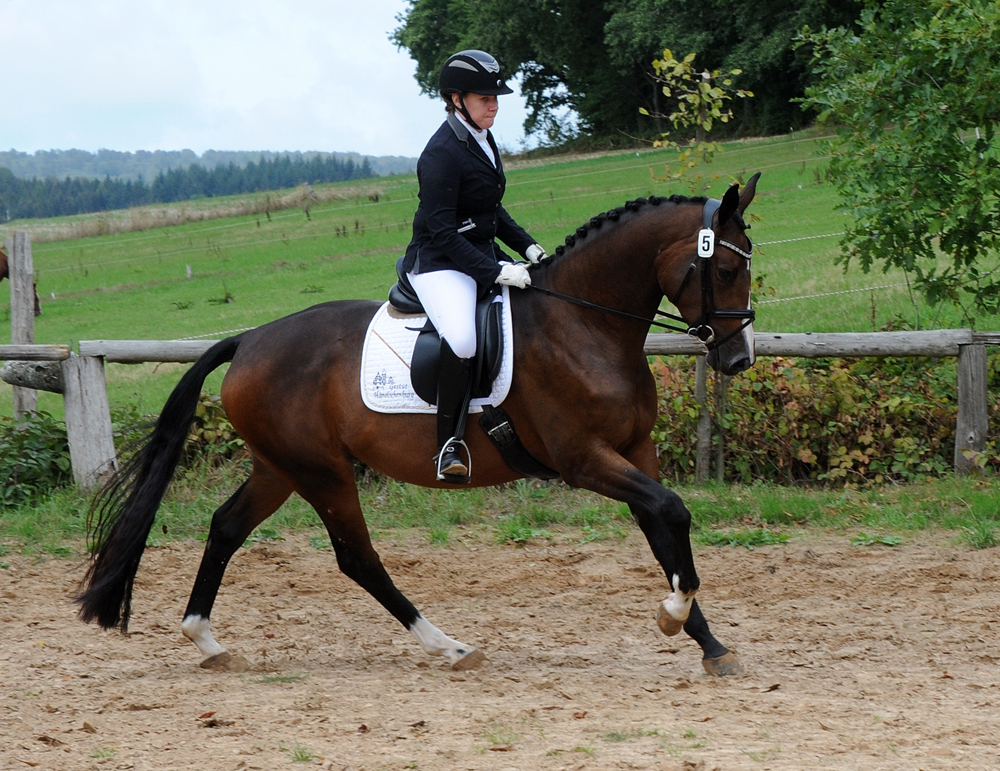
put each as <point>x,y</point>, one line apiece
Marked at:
<point>831,421</point>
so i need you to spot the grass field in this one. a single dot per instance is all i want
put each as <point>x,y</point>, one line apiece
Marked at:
<point>137,284</point>
<point>210,278</point>
<point>964,508</point>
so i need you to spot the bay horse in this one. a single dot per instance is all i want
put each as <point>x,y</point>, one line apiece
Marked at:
<point>582,399</point>
<point>5,273</point>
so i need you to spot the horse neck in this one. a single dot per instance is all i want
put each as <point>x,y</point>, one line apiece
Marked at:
<point>616,266</point>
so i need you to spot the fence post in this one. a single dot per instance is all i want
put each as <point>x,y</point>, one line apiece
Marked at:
<point>973,420</point>
<point>703,447</point>
<point>88,421</point>
<point>22,310</point>
<point>721,403</point>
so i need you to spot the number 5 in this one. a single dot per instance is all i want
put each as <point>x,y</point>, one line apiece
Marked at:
<point>706,242</point>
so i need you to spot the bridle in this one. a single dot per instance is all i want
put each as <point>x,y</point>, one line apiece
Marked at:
<point>707,241</point>
<point>701,328</point>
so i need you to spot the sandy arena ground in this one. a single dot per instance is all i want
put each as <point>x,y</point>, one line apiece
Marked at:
<point>856,658</point>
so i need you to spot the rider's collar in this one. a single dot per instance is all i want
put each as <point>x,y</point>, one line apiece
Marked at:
<point>478,134</point>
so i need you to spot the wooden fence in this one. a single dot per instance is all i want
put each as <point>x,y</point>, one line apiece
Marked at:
<point>80,377</point>
<point>88,422</point>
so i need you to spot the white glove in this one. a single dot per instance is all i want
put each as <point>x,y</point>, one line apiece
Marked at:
<point>514,274</point>
<point>535,253</point>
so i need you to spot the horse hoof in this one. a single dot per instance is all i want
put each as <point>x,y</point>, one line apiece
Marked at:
<point>667,623</point>
<point>474,659</point>
<point>225,662</point>
<point>726,665</point>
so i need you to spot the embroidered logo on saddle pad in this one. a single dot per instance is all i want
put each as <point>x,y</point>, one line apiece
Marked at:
<point>386,356</point>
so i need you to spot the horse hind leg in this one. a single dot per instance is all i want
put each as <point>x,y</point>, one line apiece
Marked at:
<point>256,499</point>
<point>335,498</point>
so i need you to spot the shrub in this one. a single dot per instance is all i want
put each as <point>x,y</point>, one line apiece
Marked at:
<point>212,438</point>
<point>832,421</point>
<point>34,458</point>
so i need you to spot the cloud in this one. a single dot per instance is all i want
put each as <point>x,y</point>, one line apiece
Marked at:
<point>215,74</point>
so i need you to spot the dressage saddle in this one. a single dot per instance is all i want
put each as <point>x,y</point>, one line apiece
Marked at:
<point>427,350</point>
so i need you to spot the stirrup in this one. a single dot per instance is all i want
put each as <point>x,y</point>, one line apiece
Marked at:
<point>455,478</point>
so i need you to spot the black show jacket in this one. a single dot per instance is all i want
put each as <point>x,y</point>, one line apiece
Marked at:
<point>460,190</point>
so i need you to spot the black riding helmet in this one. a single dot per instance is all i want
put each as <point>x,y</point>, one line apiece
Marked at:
<point>474,71</point>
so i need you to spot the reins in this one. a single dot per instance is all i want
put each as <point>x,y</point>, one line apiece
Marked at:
<point>706,248</point>
<point>614,311</point>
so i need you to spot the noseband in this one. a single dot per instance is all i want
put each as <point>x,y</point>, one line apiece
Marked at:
<point>707,241</point>
<point>701,328</point>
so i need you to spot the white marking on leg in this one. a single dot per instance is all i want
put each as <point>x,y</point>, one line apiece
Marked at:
<point>678,604</point>
<point>199,631</point>
<point>437,643</point>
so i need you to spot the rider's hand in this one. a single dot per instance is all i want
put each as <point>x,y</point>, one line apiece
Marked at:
<point>514,274</point>
<point>535,253</point>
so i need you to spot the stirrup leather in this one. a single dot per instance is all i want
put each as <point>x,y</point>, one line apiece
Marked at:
<point>440,459</point>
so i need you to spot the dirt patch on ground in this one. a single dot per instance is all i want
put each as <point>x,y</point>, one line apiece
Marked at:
<point>856,657</point>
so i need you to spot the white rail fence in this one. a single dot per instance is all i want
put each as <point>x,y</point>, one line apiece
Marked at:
<point>81,377</point>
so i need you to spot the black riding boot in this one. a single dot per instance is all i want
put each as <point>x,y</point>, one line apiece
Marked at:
<point>454,393</point>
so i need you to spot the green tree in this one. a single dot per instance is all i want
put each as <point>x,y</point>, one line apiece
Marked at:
<point>592,57</point>
<point>914,100</point>
<point>556,47</point>
<point>759,38</point>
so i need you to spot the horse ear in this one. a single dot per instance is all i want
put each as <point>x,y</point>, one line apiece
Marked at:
<point>730,202</point>
<point>747,194</point>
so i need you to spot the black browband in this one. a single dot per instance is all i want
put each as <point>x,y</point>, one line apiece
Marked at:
<point>706,249</point>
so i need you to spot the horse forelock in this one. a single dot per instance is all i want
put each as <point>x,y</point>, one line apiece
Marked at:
<point>613,218</point>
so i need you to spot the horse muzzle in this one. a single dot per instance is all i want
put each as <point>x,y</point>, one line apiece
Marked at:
<point>735,353</point>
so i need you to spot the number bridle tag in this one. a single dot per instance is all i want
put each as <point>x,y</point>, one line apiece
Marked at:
<point>706,243</point>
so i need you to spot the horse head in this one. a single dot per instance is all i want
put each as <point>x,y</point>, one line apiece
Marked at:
<point>708,279</point>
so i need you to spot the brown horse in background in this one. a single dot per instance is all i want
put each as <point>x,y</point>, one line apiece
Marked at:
<point>5,273</point>
<point>583,401</point>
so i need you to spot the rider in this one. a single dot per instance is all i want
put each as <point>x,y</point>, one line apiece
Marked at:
<point>453,258</point>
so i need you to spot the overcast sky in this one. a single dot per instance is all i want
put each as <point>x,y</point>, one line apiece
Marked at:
<point>215,74</point>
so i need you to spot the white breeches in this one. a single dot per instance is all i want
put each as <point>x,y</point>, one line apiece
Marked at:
<point>449,297</point>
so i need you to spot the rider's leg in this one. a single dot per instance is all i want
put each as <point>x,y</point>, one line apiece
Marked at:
<point>449,297</point>
<point>454,391</point>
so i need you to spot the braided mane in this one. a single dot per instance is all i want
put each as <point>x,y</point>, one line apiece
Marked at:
<point>613,215</point>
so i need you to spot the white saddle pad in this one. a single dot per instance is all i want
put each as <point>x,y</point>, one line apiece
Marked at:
<point>385,363</point>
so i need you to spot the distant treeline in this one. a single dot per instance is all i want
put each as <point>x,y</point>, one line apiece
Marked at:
<point>147,164</point>
<point>52,197</point>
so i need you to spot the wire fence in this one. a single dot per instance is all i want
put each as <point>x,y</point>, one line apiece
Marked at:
<point>877,287</point>
<point>357,207</point>
<point>354,207</point>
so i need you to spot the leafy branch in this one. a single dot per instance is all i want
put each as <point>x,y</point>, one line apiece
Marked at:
<point>700,101</point>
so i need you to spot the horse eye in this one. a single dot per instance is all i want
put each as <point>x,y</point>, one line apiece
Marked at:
<point>726,276</point>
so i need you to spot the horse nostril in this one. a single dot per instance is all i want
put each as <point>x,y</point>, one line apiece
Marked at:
<point>741,365</point>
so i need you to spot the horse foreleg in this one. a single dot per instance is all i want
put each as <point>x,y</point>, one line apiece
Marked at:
<point>257,499</point>
<point>674,610</point>
<point>335,499</point>
<point>680,609</point>
<point>666,523</point>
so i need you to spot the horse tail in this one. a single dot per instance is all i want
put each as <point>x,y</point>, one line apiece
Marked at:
<point>122,514</point>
